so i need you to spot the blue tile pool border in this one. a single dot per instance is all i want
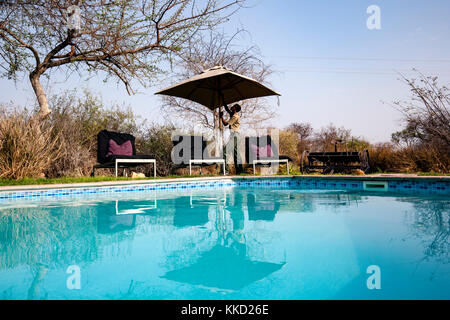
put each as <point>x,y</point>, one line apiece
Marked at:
<point>395,185</point>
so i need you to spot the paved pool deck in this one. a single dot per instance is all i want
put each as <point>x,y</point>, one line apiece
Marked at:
<point>371,177</point>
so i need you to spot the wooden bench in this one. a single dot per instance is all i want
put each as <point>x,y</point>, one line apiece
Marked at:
<point>330,162</point>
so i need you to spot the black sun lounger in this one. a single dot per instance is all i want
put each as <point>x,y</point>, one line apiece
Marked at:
<point>254,160</point>
<point>119,161</point>
<point>191,151</point>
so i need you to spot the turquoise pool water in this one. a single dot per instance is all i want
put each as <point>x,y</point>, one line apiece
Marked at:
<point>230,243</point>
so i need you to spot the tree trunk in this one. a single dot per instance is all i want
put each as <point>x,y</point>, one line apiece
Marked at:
<point>40,94</point>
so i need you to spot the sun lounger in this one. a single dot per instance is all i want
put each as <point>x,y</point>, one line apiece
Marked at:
<point>117,150</point>
<point>262,151</point>
<point>196,155</point>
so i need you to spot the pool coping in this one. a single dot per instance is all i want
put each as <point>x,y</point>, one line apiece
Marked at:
<point>375,177</point>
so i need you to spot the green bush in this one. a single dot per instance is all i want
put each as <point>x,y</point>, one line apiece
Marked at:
<point>77,120</point>
<point>156,140</point>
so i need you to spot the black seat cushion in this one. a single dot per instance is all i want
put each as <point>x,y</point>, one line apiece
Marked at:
<point>103,138</point>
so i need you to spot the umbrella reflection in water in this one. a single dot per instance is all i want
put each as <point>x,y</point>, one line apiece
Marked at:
<point>227,266</point>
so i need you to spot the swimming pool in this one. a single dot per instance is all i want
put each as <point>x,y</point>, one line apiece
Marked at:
<point>256,239</point>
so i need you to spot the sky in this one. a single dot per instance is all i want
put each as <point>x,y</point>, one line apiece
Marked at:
<point>329,67</point>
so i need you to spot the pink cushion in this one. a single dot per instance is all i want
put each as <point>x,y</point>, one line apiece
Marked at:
<point>124,149</point>
<point>262,152</point>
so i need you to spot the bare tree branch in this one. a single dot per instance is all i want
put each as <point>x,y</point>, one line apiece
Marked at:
<point>427,115</point>
<point>127,40</point>
<point>206,51</point>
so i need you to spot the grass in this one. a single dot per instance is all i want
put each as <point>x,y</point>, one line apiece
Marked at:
<point>31,181</point>
<point>63,180</point>
<point>433,174</point>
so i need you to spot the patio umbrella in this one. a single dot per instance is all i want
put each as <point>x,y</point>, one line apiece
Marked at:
<point>207,87</point>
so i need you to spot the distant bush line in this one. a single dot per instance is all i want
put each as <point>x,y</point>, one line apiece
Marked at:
<point>65,143</point>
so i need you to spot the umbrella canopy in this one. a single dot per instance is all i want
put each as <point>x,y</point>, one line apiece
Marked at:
<point>206,88</point>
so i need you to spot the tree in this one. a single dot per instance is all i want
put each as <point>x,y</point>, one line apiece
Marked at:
<point>425,137</point>
<point>406,137</point>
<point>206,51</point>
<point>326,137</point>
<point>126,39</point>
<point>427,114</point>
<point>304,131</point>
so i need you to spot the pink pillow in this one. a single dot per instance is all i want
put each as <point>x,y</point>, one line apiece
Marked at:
<point>262,152</point>
<point>124,149</point>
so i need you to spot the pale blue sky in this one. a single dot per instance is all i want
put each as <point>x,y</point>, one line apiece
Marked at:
<point>330,67</point>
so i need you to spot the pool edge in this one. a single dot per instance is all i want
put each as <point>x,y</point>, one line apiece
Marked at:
<point>196,179</point>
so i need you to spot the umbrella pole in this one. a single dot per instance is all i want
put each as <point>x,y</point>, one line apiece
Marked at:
<point>216,133</point>
<point>221,129</point>
<point>220,111</point>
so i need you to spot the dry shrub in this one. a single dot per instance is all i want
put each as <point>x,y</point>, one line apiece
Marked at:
<point>428,158</point>
<point>77,160</point>
<point>386,157</point>
<point>65,144</point>
<point>79,149</point>
<point>204,170</point>
<point>27,146</point>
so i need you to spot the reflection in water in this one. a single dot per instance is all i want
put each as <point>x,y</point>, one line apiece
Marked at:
<point>263,209</point>
<point>227,265</point>
<point>432,224</point>
<point>112,223</point>
<point>39,274</point>
<point>51,236</point>
<point>188,214</point>
<point>135,207</point>
<point>48,236</point>
<point>216,269</point>
<point>223,240</point>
